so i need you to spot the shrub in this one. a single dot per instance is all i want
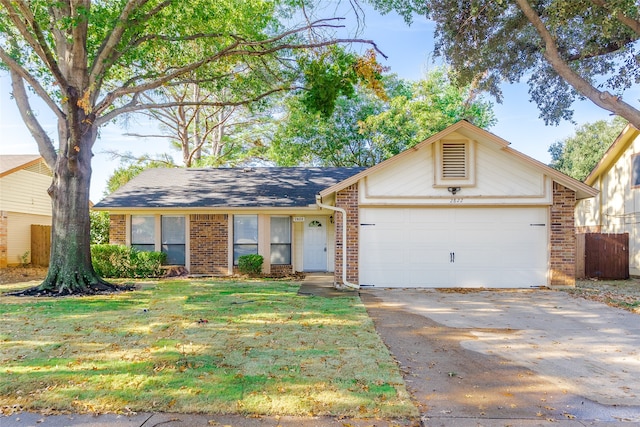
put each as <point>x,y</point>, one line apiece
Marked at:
<point>250,264</point>
<point>118,261</point>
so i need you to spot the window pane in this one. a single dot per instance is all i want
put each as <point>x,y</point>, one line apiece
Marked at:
<point>145,248</point>
<point>635,171</point>
<point>245,229</point>
<point>175,254</point>
<point>280,229</point>
<point>143,229</point>
<point>280,253</point>
<point>173,229</point>
<point>239,250</point>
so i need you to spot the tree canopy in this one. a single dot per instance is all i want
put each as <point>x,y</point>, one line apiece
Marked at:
<point>566,49</point>
<point>91,61</point>
<point>578,154</point>
<point>366,129</point>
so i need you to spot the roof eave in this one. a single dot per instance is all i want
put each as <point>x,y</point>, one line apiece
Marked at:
<point>612,154</point>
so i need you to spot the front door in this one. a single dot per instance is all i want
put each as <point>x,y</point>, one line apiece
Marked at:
<point>315,244</point>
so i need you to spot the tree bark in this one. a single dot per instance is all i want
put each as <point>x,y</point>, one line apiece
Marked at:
<point>70,268</point>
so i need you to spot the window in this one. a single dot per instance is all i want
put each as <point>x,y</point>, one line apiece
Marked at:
<point>143,232</point>
<point>173,239</point>
<point>280,240</point>
<point>245,236</point>
<point>635,171</point>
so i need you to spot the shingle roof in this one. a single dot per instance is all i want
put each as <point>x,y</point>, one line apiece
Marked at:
<point>11,162</point>
<point>225,187</point>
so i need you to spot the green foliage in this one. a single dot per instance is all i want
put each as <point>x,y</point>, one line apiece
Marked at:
<point>327,77</point>
<point>24,258</point>
<point>116,261</point>
<point>131,167</point>
<point>250,264</point>
<point>365,129</point>
<point>490,42</point>
<point>577,155</point>
<point>99,227</point>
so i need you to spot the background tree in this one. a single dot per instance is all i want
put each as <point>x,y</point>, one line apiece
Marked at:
<point>91,61</point>
<point>567,49</point>
<point>131,166</point>
<point>99,227</point>
<point>366,129</point>
<point>225,134</point>
<point>577,155</point>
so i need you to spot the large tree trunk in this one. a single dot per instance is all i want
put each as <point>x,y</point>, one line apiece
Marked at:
<point>70,268</point>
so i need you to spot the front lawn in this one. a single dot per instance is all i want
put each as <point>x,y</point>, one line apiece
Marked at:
<point>197,346</point>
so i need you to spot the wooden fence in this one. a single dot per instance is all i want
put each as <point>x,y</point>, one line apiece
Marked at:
<point>602,256</point>
<point>40,245</point>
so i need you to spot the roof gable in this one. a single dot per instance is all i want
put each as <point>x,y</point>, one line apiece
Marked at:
<point>10,163</point>
<point>225,187</point>
<point>613,153</point>
<point>471,132</point>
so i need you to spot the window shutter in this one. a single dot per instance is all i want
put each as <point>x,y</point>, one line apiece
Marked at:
<point>454,160</point>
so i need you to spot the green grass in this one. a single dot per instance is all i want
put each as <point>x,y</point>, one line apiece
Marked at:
<point>198,346</point>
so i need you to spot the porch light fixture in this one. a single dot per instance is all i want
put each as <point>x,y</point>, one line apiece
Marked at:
<point>453,190</point>
<point>331,219</point>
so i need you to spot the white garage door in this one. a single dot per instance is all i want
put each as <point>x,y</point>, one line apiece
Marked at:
<point>453,247</point>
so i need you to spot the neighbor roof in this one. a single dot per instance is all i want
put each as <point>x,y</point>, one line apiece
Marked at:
<point>11,162</point>
<point>225,187</point>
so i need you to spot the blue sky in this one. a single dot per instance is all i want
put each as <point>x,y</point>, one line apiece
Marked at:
<point>410,52</point>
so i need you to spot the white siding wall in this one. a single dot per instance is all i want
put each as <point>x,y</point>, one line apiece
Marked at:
<point>25,191</point>
<point>621,204</point>
<point>617,208</point>
<point>499,180</point>
<point>19,235</point>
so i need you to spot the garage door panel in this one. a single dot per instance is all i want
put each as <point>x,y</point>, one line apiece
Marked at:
<point>493,247</point>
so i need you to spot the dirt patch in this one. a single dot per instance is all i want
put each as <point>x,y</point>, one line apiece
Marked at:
<point>22,274</point>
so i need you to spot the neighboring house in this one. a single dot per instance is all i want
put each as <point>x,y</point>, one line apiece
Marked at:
<point>24,180</point>
<point>459,209</point>
<point>616,209</point>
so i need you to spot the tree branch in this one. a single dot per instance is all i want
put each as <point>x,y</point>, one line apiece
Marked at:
<point>108,46</point>
<point>602,99</point>
<point>37,40</point>
<point>45,144</point>
<point>135,106</point>
<point>42,93</point>
<point>633,24</point>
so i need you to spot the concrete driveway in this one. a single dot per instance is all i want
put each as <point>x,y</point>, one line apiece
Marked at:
<point>535,355</point>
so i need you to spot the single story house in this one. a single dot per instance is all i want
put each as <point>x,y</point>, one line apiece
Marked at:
<point>616,208</point>
<point>460,209</point>
<point>24,201</point>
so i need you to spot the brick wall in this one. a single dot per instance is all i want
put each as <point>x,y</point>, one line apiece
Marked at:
<point>281,270</point>
<point>209,234</point>
<point>117,229</point>
<point>347,199</point>
<point>563,237</point>
<point>4,224</point>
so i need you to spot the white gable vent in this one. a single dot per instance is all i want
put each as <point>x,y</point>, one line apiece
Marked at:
<point>454,160</point>
<point>454,163</point>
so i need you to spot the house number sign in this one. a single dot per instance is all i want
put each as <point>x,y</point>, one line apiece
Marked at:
<point>298,219</point>
<point>456,200</point>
